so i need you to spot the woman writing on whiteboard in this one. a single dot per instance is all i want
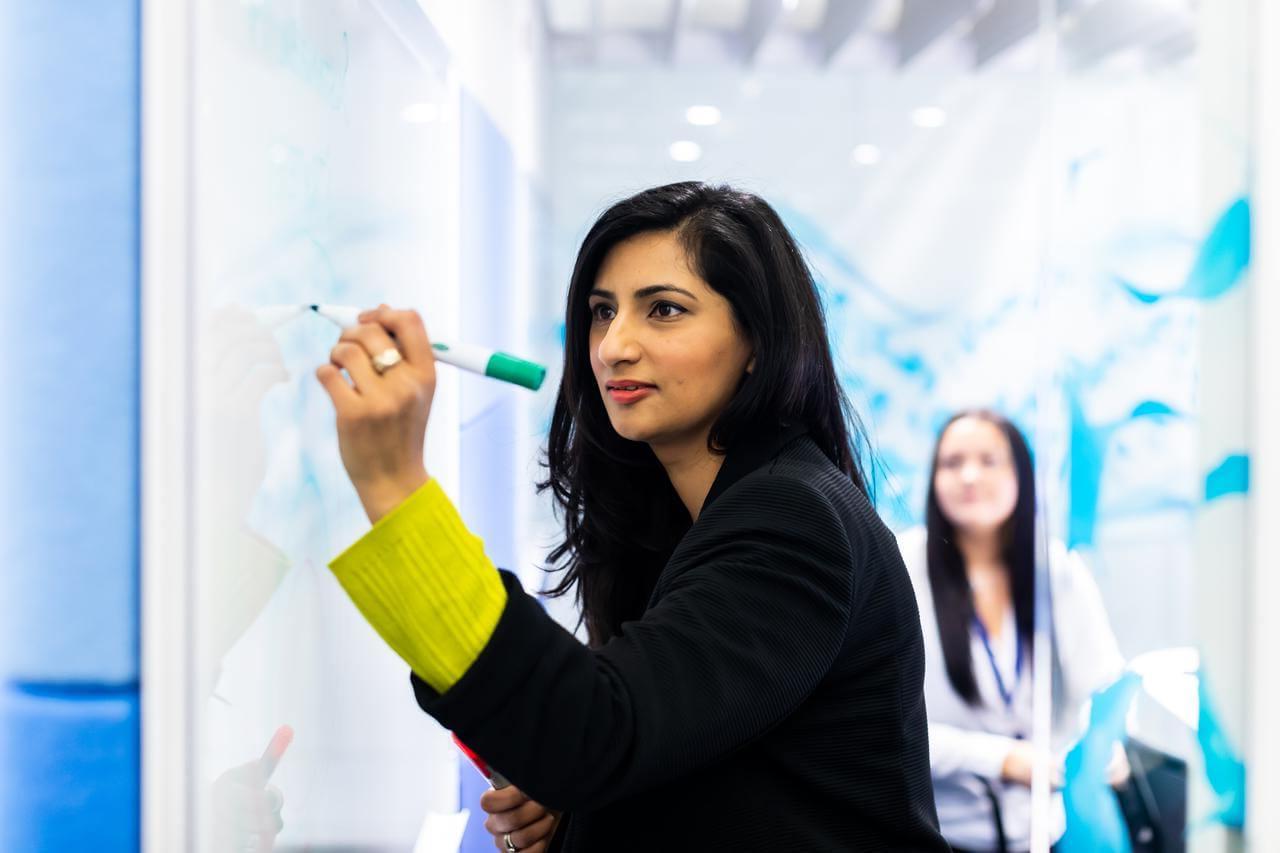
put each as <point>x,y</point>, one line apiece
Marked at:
<point>973,569</point>
<point>753,677</point>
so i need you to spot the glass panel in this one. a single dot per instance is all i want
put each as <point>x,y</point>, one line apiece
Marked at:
<point>1052,225</point>
<point>323,136</point>
<point>1146,454</point>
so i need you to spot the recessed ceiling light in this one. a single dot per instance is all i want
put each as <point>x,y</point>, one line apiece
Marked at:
<point>865,155</point>
<point>703,115</point>
<point>420,113</point>
<point>929,117</point>
<point>685,151</point>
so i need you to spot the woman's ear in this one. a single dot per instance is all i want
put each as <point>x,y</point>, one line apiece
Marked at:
<point>751,365</point>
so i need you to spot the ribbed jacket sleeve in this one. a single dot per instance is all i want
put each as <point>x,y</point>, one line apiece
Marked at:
<point>424,583</point>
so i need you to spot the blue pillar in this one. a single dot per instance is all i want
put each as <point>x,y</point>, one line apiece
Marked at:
<point>69,508</point>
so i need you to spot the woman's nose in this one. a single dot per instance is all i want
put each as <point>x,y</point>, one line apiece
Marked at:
<point>618,344</point>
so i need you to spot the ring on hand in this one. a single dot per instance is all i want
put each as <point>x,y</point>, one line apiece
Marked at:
<point>387,359</point>
<point>508,843</point>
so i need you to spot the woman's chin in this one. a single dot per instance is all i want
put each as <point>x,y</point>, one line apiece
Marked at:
<point>630,431</point>
<point>648,433</point>
<point>978,525</point>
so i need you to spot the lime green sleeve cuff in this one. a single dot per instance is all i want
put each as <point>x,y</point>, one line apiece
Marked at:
<point>423,582</point>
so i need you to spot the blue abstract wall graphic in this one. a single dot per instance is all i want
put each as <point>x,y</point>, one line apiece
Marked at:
<point>1230,477</point>
<point>1152,407</point>
<point>1223,768</point>
<point>900,366</point>
<point>1086,460</point>
<point>890,357</point>
<point>1094,819</point>
<point>1220,262</point>
<point>1088,444</point>
<point>843,273</point>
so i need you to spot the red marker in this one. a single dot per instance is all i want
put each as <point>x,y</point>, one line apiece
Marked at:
<point>496,779</point>
<point>275,750</point>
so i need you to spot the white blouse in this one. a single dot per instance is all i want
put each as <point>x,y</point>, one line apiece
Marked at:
<point>967,742</point>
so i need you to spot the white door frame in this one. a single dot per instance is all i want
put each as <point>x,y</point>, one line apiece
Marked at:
<point>1262,754</point>
<point>167,741</point>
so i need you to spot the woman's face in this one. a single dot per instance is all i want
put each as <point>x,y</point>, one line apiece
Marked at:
<point>976,482</point>
<point>656,325</point>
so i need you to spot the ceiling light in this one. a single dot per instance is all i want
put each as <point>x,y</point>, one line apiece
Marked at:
<point>929,117</point>
<point>685,151</point>
<point>703,115</point>
<point>865,155</point>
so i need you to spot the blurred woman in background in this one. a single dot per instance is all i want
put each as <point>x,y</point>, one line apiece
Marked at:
<point>973,569</point>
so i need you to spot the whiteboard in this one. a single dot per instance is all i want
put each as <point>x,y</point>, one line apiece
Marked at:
<point>324,139</point>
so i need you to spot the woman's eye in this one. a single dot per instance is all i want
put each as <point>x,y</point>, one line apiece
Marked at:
<point>601,311</point>
<point>667,310</point>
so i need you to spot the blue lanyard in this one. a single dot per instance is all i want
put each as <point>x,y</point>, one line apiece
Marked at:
<point>1005,693</point>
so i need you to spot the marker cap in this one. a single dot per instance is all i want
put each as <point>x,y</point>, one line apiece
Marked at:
<point>515,370</point>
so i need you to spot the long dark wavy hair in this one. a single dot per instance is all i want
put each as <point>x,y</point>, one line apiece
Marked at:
<point>952,597</point>
<point>622,518</point>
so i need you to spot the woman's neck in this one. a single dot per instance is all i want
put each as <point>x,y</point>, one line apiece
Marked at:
<point>980,548</point>
<point>988,577</point>
<point>692,468</point>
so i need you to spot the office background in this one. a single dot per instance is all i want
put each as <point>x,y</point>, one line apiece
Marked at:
<point>1052,209</point>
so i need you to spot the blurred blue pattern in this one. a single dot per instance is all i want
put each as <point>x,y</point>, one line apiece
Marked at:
<point>1094,820</point>
<point>1223,767</point>
<point>71,769</point>
<point>1230,477</point>
<point>1220,262</point>
<point>69,309</point>
<point>69,235</point>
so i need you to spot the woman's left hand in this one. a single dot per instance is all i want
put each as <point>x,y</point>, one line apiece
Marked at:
<point>382,418</point>
<point>529,825</point>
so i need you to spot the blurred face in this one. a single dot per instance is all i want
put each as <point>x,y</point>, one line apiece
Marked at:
<point>976,482</point>
<point>665,350</point>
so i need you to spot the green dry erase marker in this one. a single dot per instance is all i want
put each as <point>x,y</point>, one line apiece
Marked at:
<point>486,362</point>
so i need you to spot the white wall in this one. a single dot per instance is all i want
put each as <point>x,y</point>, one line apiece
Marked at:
<point>1263,744</point>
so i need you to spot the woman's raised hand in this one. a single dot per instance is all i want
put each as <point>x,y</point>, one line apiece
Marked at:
<point>382,404</point>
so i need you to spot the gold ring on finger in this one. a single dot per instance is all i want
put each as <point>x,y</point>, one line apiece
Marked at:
<point>387,359</point>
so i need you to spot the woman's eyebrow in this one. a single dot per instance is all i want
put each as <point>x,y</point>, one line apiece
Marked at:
<point>646,292</point>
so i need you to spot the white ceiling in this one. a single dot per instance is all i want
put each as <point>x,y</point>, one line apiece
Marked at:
<point>855,33</point>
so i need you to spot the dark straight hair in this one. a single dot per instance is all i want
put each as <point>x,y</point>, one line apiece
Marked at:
<point>622,518</point>
<point>952,597</point>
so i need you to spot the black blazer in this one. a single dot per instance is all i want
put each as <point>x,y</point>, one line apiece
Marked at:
<point>770,698</point>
